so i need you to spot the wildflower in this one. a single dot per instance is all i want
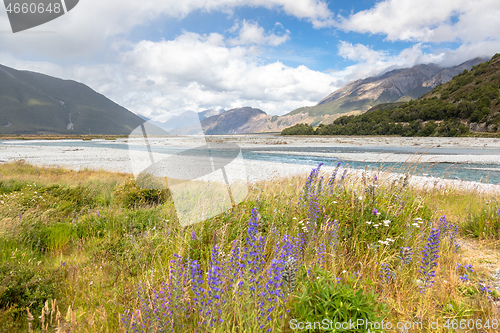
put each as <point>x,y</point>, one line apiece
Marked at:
<point>429,260</point>
<point>375,212</point>
<point>386,274</point>
<point>453,231</point>
<point>464,278</point>
<point>331,181</point>
<point>311,181</point>
<point>464,269</point>
<point>369,222</point>
<point>344,174</point>
<point>443,225</point>
<point>484,288</point>
<point>333,233</point>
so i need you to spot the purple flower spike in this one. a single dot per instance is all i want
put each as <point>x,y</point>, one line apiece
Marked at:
<point>429,260</point>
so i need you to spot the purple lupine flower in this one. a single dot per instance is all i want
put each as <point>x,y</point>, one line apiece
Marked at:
<point>254,249</point>
<point>443,225</point>
<point>331,181</point>
<point>320,252</point>
<point>310,183</point>
<point>215,288</point>
<point>313,212</point>
<point>453,231</point>
<point>464,278</point>
<point>290,247</point>
<point>342,179</point>
<point>375,212</point>
<point>485,288</point>
<point>386,274</point>
<point>319,189</point>
<point>463,269</point>
<point>333,235</point>
<point>272,292</point>
<point>197,283</point>
<point>429,260</point>
<point>193,235</point>
<point>498,212</point>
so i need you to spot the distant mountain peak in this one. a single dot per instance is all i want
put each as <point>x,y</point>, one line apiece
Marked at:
<point>398,83</point>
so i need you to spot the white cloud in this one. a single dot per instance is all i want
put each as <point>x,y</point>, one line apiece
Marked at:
<point>92,24</point>
<point>205,71</point>
<point>194,72</point>
<point>429,20</point>
<point>370,62</point>
<point>473,25</point>
<point>252,33</point>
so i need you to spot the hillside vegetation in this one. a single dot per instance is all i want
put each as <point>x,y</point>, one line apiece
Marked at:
<point>470,102</point>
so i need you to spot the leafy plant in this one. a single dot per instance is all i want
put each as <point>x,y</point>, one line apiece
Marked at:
<point>322,296</point>
<point>131,195</point>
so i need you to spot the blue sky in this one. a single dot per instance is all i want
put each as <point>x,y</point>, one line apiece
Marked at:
<point>160,56</point>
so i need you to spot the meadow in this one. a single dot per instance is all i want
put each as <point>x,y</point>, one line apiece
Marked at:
<point>90,251</point>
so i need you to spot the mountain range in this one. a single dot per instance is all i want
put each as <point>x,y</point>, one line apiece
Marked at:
<point>468,104</point>
<point>354,98</point>
<point>34,103</point>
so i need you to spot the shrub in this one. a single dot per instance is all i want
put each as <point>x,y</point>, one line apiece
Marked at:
<point>131,195</point>
<point>322,296</point>
<point>24,286</point>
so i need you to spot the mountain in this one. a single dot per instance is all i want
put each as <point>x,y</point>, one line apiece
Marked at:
<point>34,103</point>
<point>234,121</point>
<point>354,98</point>
<point>470,102</point>
<point>210,113</point>
<point>393,86</point>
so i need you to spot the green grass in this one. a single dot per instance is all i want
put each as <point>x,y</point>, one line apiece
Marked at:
<point>89,239</point>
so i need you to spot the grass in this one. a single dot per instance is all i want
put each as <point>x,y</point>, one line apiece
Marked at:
<point>88,251</point>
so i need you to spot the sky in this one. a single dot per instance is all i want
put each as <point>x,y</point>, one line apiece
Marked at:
<point>163,56</point>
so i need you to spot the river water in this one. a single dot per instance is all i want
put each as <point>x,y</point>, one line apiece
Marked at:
<point>465,163</point>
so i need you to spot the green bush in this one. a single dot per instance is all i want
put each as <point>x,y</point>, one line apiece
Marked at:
<point>131,195</point>
<point>321,296</point>
<point>299,129</point>
<point>24,286</point>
